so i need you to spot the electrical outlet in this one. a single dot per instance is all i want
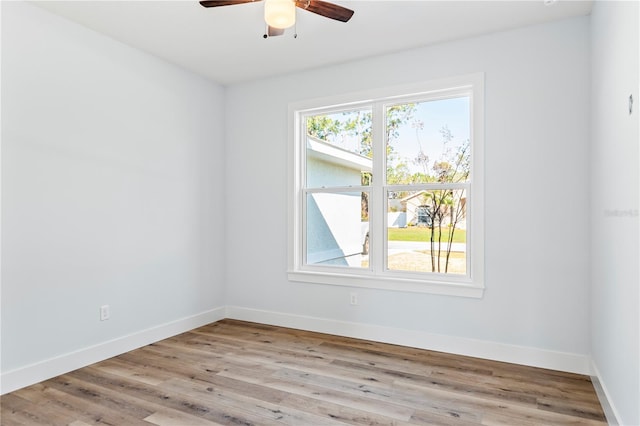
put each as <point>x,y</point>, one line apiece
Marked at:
<point>104,312</point>
<point>353,298</point>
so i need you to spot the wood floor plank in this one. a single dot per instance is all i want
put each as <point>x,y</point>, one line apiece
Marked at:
<point>177,418</point>
<point>325,394</point>
<point>141,372</point>
<point>78,423</point>
<point>319,393</point>
<point>238,373</point>
<point>493,411</point>
<point>451,418</point>
<point>43,403</point>
<point>165,397</point>
<point>338,412</point>
<point>83,409</point>
<point>532,388</point>
<point>572,408</point>
<point>106,398</point>
<point>264,411</point>
<point>20,411</point>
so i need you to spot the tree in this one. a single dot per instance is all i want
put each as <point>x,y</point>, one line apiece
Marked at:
<point>452,167</point>
<point>358,124</point>
<point>323,127</point>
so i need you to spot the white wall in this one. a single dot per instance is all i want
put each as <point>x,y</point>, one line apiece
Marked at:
<point>537,273</point>
<point>615,188</point>
<point>113,167</point>
<point>112,163</point>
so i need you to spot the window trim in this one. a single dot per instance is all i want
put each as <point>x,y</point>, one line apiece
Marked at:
<point>472,286</point>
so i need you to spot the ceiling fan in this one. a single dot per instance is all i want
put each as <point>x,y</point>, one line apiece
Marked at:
<point>281,14</point>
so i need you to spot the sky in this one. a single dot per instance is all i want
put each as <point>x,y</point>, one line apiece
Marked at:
<point>433,115</point>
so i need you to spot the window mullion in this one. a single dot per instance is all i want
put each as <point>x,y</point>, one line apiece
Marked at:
<point>377,216</point>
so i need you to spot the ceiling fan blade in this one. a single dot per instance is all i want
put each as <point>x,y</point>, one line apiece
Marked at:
<point>216,3</point>
<point>326,9</point>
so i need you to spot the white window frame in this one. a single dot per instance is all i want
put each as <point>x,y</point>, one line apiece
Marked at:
<point>470,285</point>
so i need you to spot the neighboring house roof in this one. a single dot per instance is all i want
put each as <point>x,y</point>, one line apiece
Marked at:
<point>325,151</point>
<point>409,197</point>
<point>414,195</point>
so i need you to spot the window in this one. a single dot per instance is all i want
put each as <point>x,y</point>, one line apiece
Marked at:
<point>386,189</point>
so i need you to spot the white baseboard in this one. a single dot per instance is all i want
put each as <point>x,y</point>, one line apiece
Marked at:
<point>535,357</point>
<point>34,373</point>
<point>603,396</point>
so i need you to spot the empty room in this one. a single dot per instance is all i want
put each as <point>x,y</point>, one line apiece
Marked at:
<point>318,213</point>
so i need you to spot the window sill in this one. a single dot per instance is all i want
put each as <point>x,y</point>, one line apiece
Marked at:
<point>389,283</point>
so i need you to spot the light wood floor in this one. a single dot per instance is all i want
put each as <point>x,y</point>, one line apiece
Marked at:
<point>239,373</point>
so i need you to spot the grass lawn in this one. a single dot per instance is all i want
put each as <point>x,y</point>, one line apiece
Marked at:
<point>420,233</point>
<point>420,261</point>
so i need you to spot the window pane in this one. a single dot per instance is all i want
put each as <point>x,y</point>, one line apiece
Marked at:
<point>337,228</point>
<point>338,149</point>
<point>428,141</point>
<point>426,231</point>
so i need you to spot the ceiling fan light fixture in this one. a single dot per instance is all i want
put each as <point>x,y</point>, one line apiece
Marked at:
<point>280,13</point>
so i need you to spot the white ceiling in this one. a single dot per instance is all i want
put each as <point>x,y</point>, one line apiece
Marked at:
<point>226,45</point>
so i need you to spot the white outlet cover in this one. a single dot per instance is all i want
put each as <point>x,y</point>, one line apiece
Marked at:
<point>104,312</point>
